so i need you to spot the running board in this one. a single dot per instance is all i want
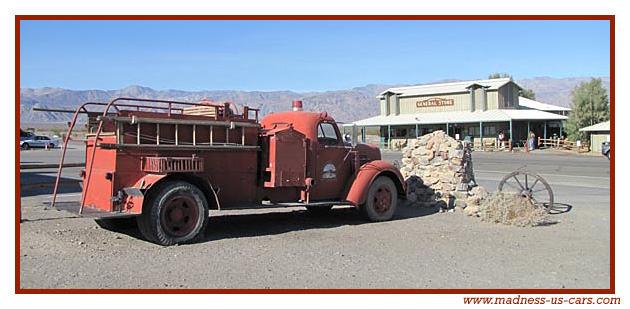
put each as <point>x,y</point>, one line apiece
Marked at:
<point>285,205</point>
<point>89,212</point>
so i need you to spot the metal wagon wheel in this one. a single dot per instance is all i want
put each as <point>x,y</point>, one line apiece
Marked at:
<point>530,186</point>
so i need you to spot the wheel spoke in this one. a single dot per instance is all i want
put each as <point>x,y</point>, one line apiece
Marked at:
<point>519,183</point>
<point>526,187</point>
<point>534,184</point>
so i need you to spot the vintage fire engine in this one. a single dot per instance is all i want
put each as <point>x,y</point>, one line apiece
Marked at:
<point>168,163</point>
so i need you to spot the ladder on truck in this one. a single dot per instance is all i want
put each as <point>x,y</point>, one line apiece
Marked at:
<point>220,115</point>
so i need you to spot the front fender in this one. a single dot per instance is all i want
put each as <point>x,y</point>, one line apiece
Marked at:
<point>357,194</point>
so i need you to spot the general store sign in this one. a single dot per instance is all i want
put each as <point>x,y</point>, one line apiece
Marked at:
<point>433,102</point>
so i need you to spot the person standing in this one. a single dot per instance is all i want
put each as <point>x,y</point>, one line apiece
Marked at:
<point>532,138</point>
<point>501,140</point>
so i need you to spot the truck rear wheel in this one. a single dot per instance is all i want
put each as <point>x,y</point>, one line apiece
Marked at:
<point>381,201</point>
<point>174,212</point>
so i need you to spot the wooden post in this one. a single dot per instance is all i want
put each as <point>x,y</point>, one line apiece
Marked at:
<point>119,137</point>
<point>363,134</point>
<point>243,136</point>
<point>194,135</point>
<point>483,146</point>
<point>389,137</point>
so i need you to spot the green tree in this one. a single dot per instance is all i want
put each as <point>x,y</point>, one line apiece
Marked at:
<point>590,106</point>
<point>499,75</point>
<point>528,93</point>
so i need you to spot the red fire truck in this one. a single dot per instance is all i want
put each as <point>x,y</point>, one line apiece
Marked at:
<point>169,162</point>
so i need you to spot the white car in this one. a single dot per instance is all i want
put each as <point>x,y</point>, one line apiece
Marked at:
<point>38,141</point>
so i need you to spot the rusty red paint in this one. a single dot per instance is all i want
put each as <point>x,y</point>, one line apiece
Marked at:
<point>367,174</point>
<point>282,160</point>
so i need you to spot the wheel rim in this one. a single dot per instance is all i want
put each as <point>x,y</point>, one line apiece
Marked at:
<point>529,186</point>
<point>180,215</point>
<point>382,199</point>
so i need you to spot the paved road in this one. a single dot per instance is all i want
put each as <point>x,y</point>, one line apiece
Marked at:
<point>558,168</point>
<point>31,180</point>
<point>289,248</point>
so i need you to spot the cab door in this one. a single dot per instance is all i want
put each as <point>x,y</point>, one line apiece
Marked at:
<point>332,163</point>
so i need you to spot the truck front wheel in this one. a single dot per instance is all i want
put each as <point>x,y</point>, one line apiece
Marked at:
<point>381,201</point>
<point>174,212</point>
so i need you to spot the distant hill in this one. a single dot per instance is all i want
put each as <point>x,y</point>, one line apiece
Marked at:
<point>344,105</point>
<point>557,91</point>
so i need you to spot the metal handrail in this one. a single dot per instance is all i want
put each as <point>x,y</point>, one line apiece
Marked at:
<point>81,110</point>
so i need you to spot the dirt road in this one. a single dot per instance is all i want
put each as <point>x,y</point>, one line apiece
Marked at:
<point>290,248</point>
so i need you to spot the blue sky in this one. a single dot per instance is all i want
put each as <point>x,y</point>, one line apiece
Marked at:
<point>303,55</point>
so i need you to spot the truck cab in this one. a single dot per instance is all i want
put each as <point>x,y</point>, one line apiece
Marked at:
<point>305,151</point>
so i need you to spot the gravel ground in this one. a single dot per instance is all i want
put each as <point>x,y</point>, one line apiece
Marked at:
<point>290,248</point>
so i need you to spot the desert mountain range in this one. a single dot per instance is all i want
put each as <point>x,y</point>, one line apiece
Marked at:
<point>344,105</point>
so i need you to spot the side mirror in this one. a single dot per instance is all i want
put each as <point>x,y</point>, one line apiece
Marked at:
<point>347,137</point>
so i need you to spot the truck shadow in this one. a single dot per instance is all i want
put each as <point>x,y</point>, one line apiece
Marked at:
<point>38,183</point>
<point>276,221</point>
<point>273,223</point>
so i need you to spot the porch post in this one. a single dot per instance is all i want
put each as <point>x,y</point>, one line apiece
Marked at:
<point>447,128</point>
<point>511,132</point>
<point>363,134</point>
<point>545,131</point>
<point>416,130</point>
<point>528,129</point>
<point>389,136</point>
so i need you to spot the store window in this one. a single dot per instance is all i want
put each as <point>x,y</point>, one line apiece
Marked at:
<point>492,130</point>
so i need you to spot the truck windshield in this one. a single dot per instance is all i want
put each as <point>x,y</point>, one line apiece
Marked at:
<point>326,134</point>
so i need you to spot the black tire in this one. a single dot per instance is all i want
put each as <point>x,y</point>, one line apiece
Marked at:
<point>173,213</point>
<point>381,201</point>
<point>318,210</point>
<point>117,224</point>
<point>25,146</point>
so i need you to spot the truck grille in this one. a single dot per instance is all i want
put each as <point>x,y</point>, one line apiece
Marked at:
<point>172,164</point>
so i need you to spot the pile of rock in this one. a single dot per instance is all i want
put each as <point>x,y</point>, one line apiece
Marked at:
<point>438,170</point>
<point>475,197</point>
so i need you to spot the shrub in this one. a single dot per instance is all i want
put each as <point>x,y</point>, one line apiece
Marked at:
<point>511,209</point>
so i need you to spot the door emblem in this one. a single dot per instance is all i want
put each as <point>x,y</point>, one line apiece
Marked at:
<point>329,172</point>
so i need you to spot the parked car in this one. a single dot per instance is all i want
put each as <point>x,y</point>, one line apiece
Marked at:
<point>606,149</point>
<point>38,141</point>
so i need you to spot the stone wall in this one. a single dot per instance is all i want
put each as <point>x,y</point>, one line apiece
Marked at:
<point>438,170</point>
